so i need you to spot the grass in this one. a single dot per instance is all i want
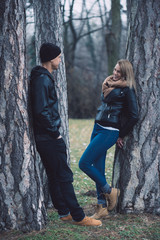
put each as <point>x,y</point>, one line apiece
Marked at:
<point>80,132</point>
<point>117,227</point>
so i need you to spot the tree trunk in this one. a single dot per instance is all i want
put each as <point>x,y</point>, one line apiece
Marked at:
<point>48,28</point>
<point>113,36</point>
<point>137,166</point>
<point>21,198</point>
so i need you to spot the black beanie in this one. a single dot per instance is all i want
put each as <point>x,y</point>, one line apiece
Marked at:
<point>48,51</point>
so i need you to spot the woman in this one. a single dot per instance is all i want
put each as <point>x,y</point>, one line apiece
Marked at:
<point>118,101</point>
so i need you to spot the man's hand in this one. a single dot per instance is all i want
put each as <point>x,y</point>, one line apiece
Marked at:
<point>120,142</point>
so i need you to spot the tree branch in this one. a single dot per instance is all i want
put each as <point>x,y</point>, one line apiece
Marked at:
<point>95,30</point>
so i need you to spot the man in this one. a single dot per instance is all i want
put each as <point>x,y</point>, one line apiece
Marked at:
<point>50,144</point>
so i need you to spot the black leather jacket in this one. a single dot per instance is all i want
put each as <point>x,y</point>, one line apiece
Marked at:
<point>46,119</point>
<point>119,110</point>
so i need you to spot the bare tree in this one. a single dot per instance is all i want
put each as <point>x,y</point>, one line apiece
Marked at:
<point>137,166</point>
<point>113,35</point>
<point>21,199</point>
<point>85,50</point>
<point>84,54</point>
<point>77,28</point>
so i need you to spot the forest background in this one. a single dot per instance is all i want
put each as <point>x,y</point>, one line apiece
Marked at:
<point>94,38</point>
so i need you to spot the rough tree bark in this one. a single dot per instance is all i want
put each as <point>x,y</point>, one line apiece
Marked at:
<point>21,198</point>
<point>137,166</point>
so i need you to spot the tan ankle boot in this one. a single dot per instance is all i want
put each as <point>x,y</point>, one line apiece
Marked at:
<point>67,218</point>
<point>101,212</point>
<point>87,221</point>
<point>112,198</point>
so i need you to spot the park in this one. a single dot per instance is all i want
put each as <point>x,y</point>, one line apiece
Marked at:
<point>91,43</point>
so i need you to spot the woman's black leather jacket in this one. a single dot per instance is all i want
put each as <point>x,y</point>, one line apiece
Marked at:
<point>46,119</point>
<point>119,110</point>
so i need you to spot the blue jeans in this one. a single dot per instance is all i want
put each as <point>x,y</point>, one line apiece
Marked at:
<point>92,161</point>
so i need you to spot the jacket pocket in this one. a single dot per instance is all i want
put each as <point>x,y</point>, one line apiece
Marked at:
<point>103,113</point>
<point>99,113</point>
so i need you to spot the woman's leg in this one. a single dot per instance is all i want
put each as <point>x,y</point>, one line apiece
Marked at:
<point>97,148</point>
<point>100,165</point>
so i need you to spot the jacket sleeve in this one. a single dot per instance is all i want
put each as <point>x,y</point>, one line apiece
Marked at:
<point>40,98</point>
<point>131,108</point>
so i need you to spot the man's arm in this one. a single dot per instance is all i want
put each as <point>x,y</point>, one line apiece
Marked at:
<point>40,97</point>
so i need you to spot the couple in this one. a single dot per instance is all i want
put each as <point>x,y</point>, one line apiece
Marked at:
<point>118,94</point>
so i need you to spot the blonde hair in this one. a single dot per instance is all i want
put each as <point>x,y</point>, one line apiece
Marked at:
<point>127,72</point>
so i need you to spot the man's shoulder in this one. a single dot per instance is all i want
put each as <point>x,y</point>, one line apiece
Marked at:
<point>41,73</point>
<point>42,81</point>
<point>45,79</point>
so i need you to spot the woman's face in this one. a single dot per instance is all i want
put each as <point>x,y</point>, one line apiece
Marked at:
<point>116,73</point>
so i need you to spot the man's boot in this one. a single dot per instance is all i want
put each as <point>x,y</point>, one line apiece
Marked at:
<point>112,198</point>
<point>87,221</point>
<point>101,212</point>
<point>67,218</point>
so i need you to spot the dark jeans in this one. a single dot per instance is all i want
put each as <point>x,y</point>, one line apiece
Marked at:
<point>60,177</point>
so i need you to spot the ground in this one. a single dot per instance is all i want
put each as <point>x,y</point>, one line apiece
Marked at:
<point>116,227</point>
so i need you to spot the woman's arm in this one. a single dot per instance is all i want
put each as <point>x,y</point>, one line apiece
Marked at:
<point>132,110</point>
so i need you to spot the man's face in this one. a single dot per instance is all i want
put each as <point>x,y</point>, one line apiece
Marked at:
<point>55,62</point>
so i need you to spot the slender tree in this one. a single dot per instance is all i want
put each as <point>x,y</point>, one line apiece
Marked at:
<point>48,28</point>
<point>85,55</point>
<point>137,166</point>
<point>73,34</point>
<point>113,35</point>
<point>21,199</point>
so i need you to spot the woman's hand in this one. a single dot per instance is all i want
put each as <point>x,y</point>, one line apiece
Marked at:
<point>59,137</point>
<point>120,142</point>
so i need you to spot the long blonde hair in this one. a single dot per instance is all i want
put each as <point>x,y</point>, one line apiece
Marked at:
<point>127,72</point>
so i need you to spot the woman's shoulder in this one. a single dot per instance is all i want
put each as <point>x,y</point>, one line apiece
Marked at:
<point>130,94</point>
<point>129,90</point>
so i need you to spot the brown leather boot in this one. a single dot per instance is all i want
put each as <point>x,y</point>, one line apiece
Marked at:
<point>87,221</point>
<point>112,198</point>
<point>101,212</point>
<point>67,218</point>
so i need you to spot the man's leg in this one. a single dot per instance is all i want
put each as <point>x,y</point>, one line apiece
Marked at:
<point>65,178</point>
<point>71,201</point>
<point>60,176</point>
<point>45,150</point>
